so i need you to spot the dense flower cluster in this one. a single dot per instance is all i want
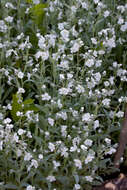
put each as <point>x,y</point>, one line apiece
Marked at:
<point>62,88</point>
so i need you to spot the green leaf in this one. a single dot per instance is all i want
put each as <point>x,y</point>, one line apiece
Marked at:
<point>16,106</point>
<point>10,186</point>
<point>38,13</point>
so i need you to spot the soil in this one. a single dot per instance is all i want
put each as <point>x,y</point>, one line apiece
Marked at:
<point>117,183</point>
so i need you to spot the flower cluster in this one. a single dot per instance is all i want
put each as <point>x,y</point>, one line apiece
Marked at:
<point>62,87</point>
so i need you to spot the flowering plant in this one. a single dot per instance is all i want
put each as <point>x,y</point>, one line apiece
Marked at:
<point>63,86</point>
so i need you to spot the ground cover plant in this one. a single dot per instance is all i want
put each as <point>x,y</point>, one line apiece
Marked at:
<point>63,91</point>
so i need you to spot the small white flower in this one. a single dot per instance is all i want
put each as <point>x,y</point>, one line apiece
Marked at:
<point>1,116</point>
<point>51,146</point>
<point>15,137</point>
<point>51,178</point>
<point>56,164</point>
<point>46,97</point>
<point>7,120</point>
<point>21,91</point>
<point>9,19</point>
<point>77,186</point>
<point>40,156</point>
<point>64,91</point>
<point>80,89</point>
<point>20,75</point>
<point>96,124</point>
<point>27,156</point>
<point>19,113</point>
<point>110,151</point>
<point>36,2</point>
<point>75,47</point>
<point>89,158</point>
<point>34,163</point>
<point>124,27</point>
<point>30,187</point>
<point>88,142</point>
<point>89,178</point>
<point>108,141</point>
<point>18,152</point>
<point>83,147</point>
<point>51,121</point>
<point>21,132</point>
<point>106,102</point>
<point>120,114</point>
<point>65,34</point>
<point>78,163</point>
<point>86,117</point>
<point>89,63</point>
<point>94,41</point>
<point>106,14</point>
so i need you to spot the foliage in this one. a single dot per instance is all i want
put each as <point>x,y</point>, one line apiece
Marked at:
<point>63,81</point>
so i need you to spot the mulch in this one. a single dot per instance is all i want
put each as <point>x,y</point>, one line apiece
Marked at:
<point>119,183</point>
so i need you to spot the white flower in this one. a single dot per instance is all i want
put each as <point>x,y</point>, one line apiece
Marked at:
<point>56,164</point>
<point>59,103</point>
<point>77,186</point>
<point>86,117</point>
<point>30,187</point>
<point>120,114</point>
<point>110,151</point>
<point>97,76</point>
<point>88,142</point>
<point>106,14</point>
<point>89,63</point>
<point>51,178</point>
<point>36,2</point>
<point>9,5</point>
<point>120,21</point>
<point>9,19</point>
<point>96,124</point>
<point>64,91</point>
<point>75,47</point>
<point>65,34</point>
<point>62,115</point>
<point>89,178</point>
<point>78,163</point>
<point>84,5</point>
<point>46,97</point>
<point>44,55</point>
<point>110,43</point>
<point>18,152</point>
<point>20,75</point>
<point>60,26</point>
<point>108,141</point>
<point>34,163</point>
<point>89,158</point>
<point>51,146</point>
<point>41,42</point>
<point>21,132</point>
<point>27,156</point>
<point>19,113</point>
<point>106,102</point>
<point>124,27</point>
<point>21,91</point>
<point>7,120</point>
<point>64,152</point>
<point>73,148</point>
<point>80,89</point>
<point>94,41</point>
<point>15,137</point>
<point>1,116</point>
<point>51,121</point>
<point>40,156</point>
